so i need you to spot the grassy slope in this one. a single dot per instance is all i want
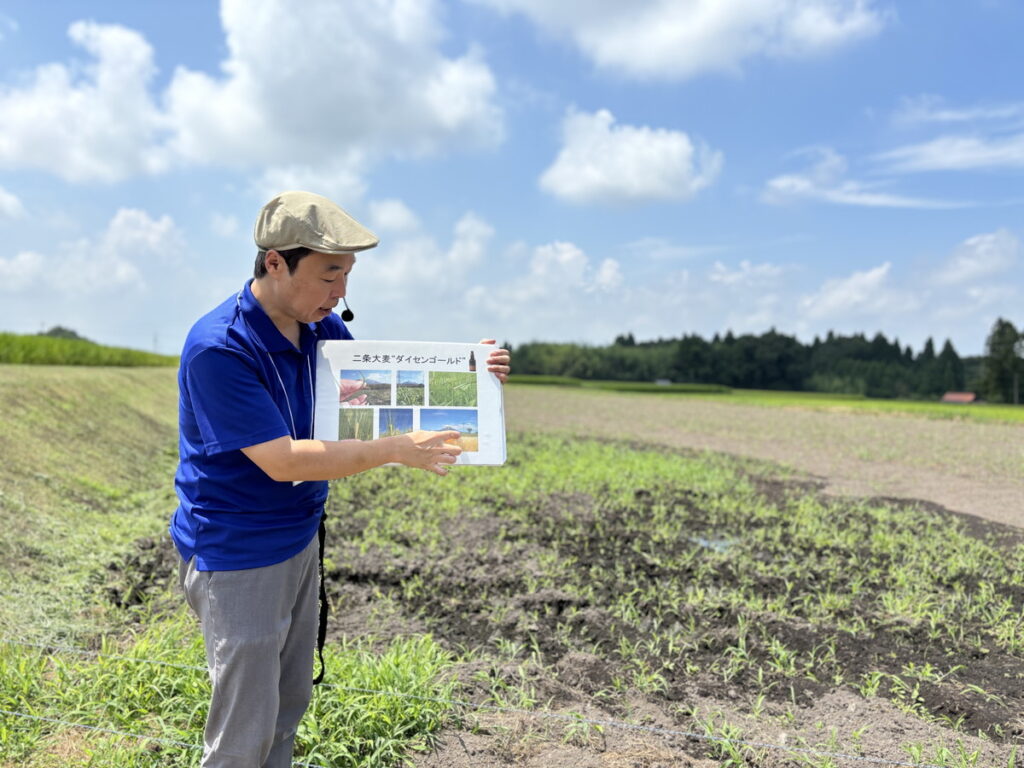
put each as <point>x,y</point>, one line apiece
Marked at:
<point>87,457</point>
<point>84,451</point>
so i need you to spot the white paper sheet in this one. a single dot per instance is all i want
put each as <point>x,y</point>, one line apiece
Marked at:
<point>371,389</point>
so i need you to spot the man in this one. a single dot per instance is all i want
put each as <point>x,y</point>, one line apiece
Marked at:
<point>252,480</point>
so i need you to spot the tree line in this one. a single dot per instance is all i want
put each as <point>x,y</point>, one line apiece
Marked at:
<point>875,367</point>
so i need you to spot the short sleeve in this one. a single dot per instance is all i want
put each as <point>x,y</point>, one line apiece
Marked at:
<point>232,406</point>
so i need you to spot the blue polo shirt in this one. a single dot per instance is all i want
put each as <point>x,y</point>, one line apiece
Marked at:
<point>241,383</point>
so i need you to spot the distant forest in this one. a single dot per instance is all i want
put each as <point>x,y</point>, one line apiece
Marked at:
<point>875,367</point>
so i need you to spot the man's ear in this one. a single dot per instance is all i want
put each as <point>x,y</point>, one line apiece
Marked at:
<point>274,263</point>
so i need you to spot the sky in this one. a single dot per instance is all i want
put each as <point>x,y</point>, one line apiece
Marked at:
<point>536,171</point>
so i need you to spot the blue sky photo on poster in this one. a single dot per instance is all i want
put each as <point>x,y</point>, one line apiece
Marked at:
<point>536,170</point>
<point>438,419</point>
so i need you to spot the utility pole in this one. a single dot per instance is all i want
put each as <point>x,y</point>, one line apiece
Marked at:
<point>1018,359</point>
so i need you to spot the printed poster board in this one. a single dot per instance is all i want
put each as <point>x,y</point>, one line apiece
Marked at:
<point>371,389</point>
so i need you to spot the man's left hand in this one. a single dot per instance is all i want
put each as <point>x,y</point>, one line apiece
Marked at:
<point>499,361</point>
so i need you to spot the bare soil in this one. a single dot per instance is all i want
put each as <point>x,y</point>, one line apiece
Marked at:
<point>814,716</point>
<point>971,467</point>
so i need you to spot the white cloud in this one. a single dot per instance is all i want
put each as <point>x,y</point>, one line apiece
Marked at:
<point>415,287</point>
<point>956,153</point>
<point>20,271</point>
<point>670,40</point>
<point>119,285</point>
<point>662,249</point>
<point>416,272</point>
<point>557,287</point>
<point>333,84</point>
<point>313,98</point>
<point>748,273</point>
<point>602,162</point>
<point>10,205</point>
<point>7,25</point>
<point>95,122</point>
<point>132,245</point>
<point>932,109</point>
<point>866,294</point>
<point>472,235</point>
<point>224,225</point>
<point>824,182</point>
<point>339,178</point>
<point>981,256</point>
<point>990,137</point>
<point>609,276</point>
<point>957,296</point>
<point>392,215</point>
<point>554,266</point>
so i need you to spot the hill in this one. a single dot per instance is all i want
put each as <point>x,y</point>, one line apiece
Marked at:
<point>70,349</point>
<point>83,449</point>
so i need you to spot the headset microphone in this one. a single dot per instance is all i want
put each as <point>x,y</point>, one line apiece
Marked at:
<point>348,315</point>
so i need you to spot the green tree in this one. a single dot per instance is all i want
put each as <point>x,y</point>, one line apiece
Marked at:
<point>950,375</point>
<point>1002,363</point>
<point>60,332</point>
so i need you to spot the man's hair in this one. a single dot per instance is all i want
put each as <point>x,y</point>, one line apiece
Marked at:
<point>291,257</point>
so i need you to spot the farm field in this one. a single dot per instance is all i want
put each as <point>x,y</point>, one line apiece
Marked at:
<point>964,465</point>
<point>609,572</point>
<point>984,412</point>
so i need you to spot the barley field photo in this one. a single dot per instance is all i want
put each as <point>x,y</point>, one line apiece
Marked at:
<point>452,389</point>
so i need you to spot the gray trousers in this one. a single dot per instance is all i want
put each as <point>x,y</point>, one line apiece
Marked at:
<point>259,627</point>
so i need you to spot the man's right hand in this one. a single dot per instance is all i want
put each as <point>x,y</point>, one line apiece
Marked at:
<point>427,450</point>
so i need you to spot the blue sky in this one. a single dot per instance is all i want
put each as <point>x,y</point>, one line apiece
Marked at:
<point>536,171</point>
<point>436,419</point>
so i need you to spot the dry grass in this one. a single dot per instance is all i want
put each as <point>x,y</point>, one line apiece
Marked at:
<point>468,443</point>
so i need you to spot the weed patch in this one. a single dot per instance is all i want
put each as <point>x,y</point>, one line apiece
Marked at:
<point>605,571</point>
<point>120,689</point>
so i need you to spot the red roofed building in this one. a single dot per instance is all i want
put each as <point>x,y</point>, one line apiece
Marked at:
<point>959,397</point>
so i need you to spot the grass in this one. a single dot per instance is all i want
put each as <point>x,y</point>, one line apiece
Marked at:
<point>120,690</point>
<point>87,460</point>
<point>88,457</point>
<point>355,423</point>
<point>452,389</point>
<point>677,570</point>
<point>409,393</point>
<point>673,572</point>
<point>46,350</point>
<point>409,396</point>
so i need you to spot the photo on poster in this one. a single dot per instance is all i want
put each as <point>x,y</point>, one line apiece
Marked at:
<point>361,387</point>
<point>464,421</point>
<point>355,423</point>
<point>394,421</point>
<point>453,389</point>
<point>410,388</point>
<point>372,389</point>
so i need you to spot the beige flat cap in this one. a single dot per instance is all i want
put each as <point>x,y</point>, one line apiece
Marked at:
<point>303,219</point>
